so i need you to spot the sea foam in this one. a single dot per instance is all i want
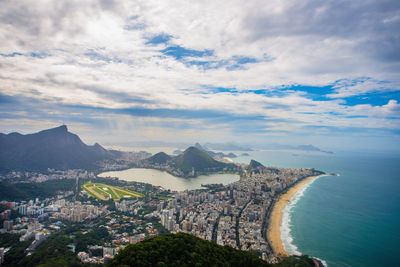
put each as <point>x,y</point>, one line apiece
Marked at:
<point>286,235</point>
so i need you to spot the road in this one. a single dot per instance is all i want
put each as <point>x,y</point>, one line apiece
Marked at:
<point>238,222</point>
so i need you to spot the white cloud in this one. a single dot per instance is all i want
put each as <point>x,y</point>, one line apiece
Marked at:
<point>95,53</point>
<point>348,88</point>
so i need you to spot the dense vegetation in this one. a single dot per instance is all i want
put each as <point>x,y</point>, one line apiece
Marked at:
<point>166,250</point>
<point>187,250</point>
<point>18,248</point>
<point>193,158</point>
<point>199,160</point>
<point>183,250</point>
<point>159,158</point>
<point>54,251</point>
<point>24,191</point>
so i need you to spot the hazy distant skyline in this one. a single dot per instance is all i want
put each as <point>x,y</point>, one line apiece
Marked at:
<point>298,72</point>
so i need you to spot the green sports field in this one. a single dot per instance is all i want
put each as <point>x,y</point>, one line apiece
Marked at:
<point>105,191</point>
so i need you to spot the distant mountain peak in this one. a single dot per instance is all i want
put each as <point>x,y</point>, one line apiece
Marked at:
<point>194,158</point>
<point>56,131</point>
<point>198,146</point>
<point>190,162</point>
<point>61,128</point>
<point>191,149</point>
<point>98,145</point>
<point>13,134</point>
<point>255,164</point>
<point>52,148</point>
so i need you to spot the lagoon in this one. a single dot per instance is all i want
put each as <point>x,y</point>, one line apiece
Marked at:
<point>168,181</point>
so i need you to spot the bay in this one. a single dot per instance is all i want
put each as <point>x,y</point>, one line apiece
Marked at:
<point>347,220</point>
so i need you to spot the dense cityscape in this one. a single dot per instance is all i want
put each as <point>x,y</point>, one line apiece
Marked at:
<point>234,215</point>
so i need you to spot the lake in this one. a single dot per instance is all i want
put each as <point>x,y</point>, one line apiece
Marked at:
<point>168,181</point>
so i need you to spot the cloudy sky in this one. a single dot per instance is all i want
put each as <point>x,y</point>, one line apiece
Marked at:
<point>117,72</point>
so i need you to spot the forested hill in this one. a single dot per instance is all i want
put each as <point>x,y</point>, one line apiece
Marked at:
<point>187,250</point>
<point>199,160</point>
<point>55,148</point>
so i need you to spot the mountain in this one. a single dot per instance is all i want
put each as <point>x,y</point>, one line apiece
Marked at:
<point>255,164</point>
<point>199,161</point>
<point>214,154</point>
<point>177,152</point>
<point>187,250</point>
<point>55,148</point>
<point>159,158</point>
<point>198,146</point>
<point>231,155</point>
<point>227,147</point>
<point>191,162</point>
<point>306,148</point>
<point>312,148</point>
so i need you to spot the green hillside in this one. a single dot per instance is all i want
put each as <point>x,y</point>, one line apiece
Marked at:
<point>159,158</point>
<point>199,160</point>
<point>55,148</point>
<point>187,250</point>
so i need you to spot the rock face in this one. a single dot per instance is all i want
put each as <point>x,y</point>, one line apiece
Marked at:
<point>255,166</point>
<point>55,148</point>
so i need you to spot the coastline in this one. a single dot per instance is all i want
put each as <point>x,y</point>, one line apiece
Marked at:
<point>274,232</point>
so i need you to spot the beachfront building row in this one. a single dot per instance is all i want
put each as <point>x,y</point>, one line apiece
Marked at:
<point>236,215</point>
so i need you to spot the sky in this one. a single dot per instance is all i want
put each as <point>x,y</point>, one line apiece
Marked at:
<point>123,72</point>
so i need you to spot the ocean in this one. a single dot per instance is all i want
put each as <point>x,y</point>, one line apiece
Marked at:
<point>347,220</point>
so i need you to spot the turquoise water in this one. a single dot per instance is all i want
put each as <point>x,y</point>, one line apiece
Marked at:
<point>349,220</point>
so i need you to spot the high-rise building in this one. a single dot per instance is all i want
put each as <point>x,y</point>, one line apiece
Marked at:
<point>7,225</point>
<point>1,255</point>
<point>108,251</point>
<point>22,209</point>
<point>164,218</point>
<point>5,215</point>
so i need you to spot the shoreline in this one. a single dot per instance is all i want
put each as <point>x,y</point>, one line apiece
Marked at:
<point>274,232</point>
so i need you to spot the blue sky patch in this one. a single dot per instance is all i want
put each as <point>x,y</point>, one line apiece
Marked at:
<point>316,93</point>
<point>245,60</point>
<point>374,99</point>
<point>179,52</point>
<point>159,39</point>
<point>35,54</point>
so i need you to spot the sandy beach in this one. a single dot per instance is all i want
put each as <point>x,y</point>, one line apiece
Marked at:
<point>274,231</point>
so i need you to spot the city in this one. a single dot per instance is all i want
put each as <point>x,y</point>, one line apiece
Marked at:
<point>235,215</point>
<point>199,133</point>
